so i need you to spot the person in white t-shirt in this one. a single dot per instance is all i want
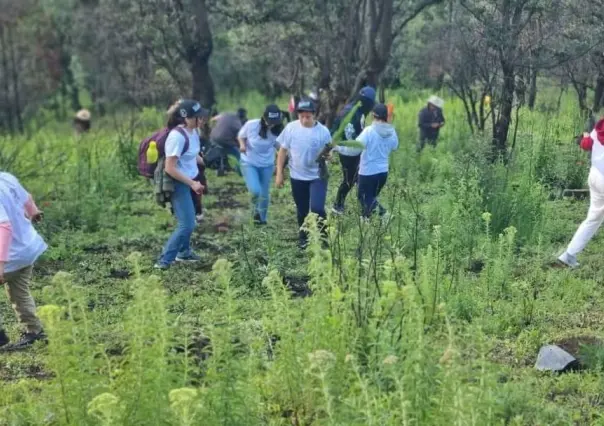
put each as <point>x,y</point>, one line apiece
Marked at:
<point>257,144</point>
<point>183,169</point>
<point>20,247</point>
<point>379,140</point>
<point>304,141</point>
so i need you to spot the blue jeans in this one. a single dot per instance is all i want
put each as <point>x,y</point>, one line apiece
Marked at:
<point>179,243</point>
<point>309,196</point>
<point>369,189</point>
<point>258,181</point>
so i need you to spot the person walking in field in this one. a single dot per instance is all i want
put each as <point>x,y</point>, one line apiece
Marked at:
<point>224,136</point>
<point>593,142</point>
<point>348,125</point>
<point>257,145</point>
<point>20,247</point>
<point>174,120</point>
<point>430,121</point>
<point>304,141</point>
<point>378,140</point>
<point>182,166</point>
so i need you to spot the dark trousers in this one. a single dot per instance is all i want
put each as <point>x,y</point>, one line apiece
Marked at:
<point>369,190</point>
<point>421,144</point>
<point>309,197</point>
<point>350,172</point>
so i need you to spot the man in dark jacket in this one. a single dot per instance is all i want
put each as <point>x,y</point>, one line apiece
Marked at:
<point>224,136</point>
<point>430,121</point>
<point>350,129</point>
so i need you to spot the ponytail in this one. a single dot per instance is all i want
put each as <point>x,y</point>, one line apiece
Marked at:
<point>263,133</point>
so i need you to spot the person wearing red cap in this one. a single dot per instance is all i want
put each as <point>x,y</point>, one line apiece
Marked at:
<point>593,142</point>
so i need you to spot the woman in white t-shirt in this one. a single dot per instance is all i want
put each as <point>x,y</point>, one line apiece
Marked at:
<point>20,247</point>
<point>304,141</point>
<point>182,167</point>
<point>257,144</point>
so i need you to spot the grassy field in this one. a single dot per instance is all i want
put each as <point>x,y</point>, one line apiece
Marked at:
<point>434,317</point>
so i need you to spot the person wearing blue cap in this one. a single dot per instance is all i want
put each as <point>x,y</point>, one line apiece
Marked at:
<point>378,140</point>
<point>348,125</point>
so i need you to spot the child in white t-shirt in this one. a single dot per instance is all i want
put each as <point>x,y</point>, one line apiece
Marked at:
<point>20,247</point>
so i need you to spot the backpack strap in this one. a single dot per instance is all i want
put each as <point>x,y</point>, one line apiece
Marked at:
<point>186,136</point>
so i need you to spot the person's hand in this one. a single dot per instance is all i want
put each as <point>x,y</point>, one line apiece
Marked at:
<point>586,135</point>
<point>1,272</point>
<point>37,218</point>
<point>435,125</point>
<point>242,148</point>
<point>279,181</point>
<point>197,187</point>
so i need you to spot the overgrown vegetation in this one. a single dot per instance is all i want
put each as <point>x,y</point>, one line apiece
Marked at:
<point>434,317</point>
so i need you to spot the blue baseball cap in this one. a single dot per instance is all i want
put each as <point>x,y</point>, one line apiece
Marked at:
<point>368,92</point>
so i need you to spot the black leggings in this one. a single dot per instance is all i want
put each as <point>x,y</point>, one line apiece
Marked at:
<point>350,173</point>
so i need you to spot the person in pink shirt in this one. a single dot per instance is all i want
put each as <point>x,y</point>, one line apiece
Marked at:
<point>20,247</point>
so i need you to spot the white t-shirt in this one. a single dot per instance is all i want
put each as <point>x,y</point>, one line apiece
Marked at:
<point>260,151</point>
<point>304,146</point>
<point>26,244</point>
<point>187,162</point>
<point>379,140</point>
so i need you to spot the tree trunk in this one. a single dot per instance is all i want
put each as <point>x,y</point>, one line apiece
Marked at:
<point>598,93</point>
<point>532,99</point>
<point>6,102</point>
<point>203,84</point>
<point>15,78</point>
<point>502,125</point>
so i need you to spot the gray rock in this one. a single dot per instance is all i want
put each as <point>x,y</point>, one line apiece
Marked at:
<point>554,358</point>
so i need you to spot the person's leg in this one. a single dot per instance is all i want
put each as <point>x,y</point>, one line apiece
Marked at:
<point>19,295</point>
<point>383,177</point>
<point>179,243</point>
<point>318,195</point>
<point>421,143</point>
<point>595,217</point>
<point>366,194</point>
<point>266,177</point>
<point>251,176</point>
<point>301,194</point>
<point>350,167</point>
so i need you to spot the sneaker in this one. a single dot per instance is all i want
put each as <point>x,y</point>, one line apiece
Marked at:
<point>161,266</point>
<point>568,260</point>
<point>199,218</point>
<point>338,211</point>
<point>4,340</point>
<point>27,340</point>
<point>191,257</point>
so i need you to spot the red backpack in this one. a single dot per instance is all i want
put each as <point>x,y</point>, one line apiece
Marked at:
<point>147,169</point>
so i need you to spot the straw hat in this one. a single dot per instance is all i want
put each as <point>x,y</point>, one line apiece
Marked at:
<point>83,115</point>
<point>436,101</point>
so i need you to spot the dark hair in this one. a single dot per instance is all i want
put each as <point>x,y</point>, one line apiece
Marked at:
<point>174,120</point>
<point>263,133</point>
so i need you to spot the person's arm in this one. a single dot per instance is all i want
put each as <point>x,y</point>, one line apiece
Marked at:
<point>200,160</point>
<point>31,210</point>
<point>281,157</point>
<point>587,142</point>
<point>425,119</point>
<point>242,138</point>
<point>6,235</point>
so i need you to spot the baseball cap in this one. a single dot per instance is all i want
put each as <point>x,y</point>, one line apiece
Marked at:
<point>189,108</point>
<point>380,112</point>
<point>306,105</point>
<point>272,115</point>
<point>368,92</point>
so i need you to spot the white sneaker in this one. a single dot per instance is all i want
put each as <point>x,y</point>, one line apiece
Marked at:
<point>199,217</point>
<point>569,260</point>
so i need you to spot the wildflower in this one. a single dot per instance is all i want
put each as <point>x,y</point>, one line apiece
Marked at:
<point>390,360</point>
<point>321,358</point>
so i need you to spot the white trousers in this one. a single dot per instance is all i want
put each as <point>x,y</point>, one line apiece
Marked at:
<point>595,215</point>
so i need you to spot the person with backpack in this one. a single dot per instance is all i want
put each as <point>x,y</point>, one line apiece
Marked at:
<point>348,125</point>
<point>174,119</point>
<point>20,247</point>
<point>594,143</point>
<point>304,142</point>
<point>257,144</point>
<point>378,140</point>
<point>181,160</point>
<point>430,121</point>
